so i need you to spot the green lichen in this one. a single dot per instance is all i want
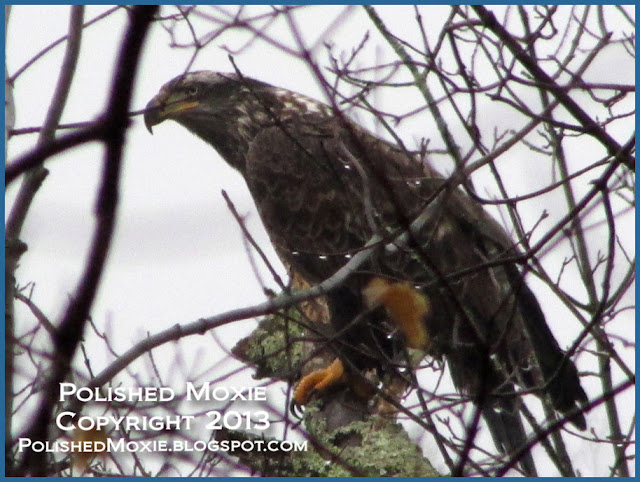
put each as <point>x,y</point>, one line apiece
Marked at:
<point>383,449</point>
<point>386,450</point>
<point>370,446</point>
<point>275,347</point>
<point>283,464</point>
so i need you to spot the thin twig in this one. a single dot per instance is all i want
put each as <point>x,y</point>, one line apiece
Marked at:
<point>71,328</point>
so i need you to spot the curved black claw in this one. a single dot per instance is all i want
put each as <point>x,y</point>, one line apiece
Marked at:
<point>296,409</point>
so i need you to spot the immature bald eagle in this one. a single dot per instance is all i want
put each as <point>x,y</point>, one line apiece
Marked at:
<point>324,187</point>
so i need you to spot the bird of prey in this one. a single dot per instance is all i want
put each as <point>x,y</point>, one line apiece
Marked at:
<point>327,189</point>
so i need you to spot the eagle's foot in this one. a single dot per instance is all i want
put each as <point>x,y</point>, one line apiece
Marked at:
<point>407,307</point>
<point>318,381</point>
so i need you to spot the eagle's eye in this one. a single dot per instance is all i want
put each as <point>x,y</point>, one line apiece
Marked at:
<point>191,91</point>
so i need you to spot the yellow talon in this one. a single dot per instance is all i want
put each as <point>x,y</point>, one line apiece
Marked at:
<point>318,380</point>
<point>407,308</point>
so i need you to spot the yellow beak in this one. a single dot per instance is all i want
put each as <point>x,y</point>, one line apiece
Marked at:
<point>163,107</point>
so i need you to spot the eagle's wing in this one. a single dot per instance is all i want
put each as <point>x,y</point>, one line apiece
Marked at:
<point>323,193</point>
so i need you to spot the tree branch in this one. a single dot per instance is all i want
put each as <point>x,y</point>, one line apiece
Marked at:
<point>71,327</point>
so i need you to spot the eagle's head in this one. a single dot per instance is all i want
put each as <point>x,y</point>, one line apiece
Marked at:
<point>194,97</point>
<point>226,110</point>
<point>223,109</point>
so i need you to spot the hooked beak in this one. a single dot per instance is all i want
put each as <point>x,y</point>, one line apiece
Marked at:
<point>165,106</point>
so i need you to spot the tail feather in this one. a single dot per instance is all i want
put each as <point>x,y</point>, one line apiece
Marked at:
<point>559,372</point>
<point>508,434</point>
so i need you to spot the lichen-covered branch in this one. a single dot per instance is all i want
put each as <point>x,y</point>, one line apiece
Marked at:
<point>345,437</point>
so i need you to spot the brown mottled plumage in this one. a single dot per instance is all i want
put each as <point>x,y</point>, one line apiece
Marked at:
<point>324,187</point>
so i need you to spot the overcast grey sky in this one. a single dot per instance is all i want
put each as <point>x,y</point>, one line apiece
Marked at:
<point>178,254</point>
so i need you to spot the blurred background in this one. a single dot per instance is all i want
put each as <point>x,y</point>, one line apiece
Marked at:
<point>178,253</point>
